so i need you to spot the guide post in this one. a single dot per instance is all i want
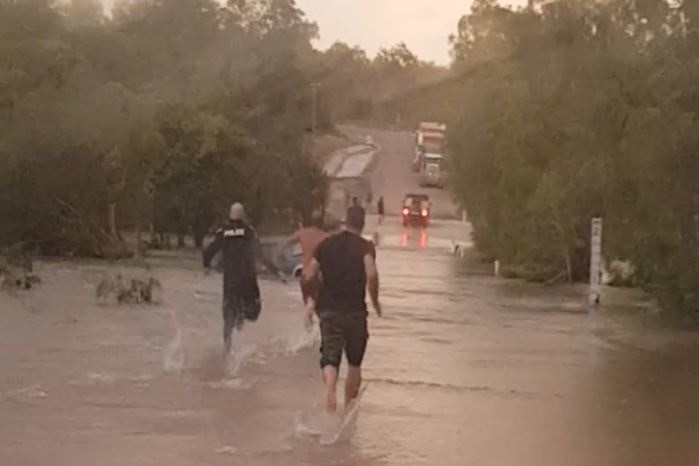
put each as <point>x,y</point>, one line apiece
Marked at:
<point>595,261</point>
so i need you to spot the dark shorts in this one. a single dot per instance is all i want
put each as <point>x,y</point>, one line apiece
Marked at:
<point>340,332</point>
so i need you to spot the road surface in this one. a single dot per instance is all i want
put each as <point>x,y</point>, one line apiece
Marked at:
<point>393,177</point>
<point>464,369</point>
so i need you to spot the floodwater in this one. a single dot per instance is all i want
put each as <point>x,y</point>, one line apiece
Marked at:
<point>464,369</point>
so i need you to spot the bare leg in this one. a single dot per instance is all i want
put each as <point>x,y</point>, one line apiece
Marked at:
<point>330,375</point>
<point>352,384</point>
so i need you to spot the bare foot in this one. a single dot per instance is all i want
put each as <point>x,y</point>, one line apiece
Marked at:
<point>330,403</point>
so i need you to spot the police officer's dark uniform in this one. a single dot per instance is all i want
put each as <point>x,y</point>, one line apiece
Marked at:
<point>241,293</point>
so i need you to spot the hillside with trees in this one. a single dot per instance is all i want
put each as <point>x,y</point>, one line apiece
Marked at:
<point>157,115</point>
<point>572,109</point>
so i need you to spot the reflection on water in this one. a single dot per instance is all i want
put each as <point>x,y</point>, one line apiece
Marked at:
<point>463,369</point>
<point>414,238</point>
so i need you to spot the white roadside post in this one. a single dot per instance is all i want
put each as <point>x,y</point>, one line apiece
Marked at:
<point>595,261</point>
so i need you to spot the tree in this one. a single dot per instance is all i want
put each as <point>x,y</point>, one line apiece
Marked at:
<point>576,110</point>
<point>164,113</point>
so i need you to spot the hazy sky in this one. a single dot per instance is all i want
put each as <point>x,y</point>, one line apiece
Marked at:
<point>424,25</point>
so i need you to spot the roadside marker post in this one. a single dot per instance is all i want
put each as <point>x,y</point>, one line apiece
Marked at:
<point>595,262</point>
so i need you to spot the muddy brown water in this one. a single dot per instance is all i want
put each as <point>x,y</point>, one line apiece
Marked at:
<point>464,369</point>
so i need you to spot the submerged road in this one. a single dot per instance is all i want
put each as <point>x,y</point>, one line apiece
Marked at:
<point>464,369</point>
<point>393,177</point>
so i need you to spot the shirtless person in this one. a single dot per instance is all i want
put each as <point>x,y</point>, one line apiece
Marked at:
<point>308,237</point>
<point>346,262</point>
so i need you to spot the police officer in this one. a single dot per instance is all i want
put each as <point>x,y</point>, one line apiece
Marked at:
<point>241,292</point>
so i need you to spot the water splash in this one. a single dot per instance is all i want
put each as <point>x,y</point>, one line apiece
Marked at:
<point>239,356</point>
<point>31,391</point>
<point>314,423</point>
<point>99,378</point>
<point>227,450</point>
<point>303,340</point>
<point>236,383</point>
<point>173,356</point>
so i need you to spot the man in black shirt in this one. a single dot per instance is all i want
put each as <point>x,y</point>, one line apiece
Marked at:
<point>356,209</point>
<point>241,293</point>
<point>346,264</point>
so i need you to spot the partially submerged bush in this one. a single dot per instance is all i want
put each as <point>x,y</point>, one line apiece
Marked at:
<point>17,269</point>
<point>124,290</point>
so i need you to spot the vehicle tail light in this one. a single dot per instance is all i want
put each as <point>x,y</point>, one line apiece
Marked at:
<point>425,212</point>
<point>406,211</point>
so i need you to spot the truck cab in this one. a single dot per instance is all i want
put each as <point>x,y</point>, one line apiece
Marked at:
<point>431,170</point>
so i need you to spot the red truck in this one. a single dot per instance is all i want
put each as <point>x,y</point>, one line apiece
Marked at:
<point>416,210</point>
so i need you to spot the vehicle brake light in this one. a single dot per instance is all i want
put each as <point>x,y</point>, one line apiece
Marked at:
<point>406,211</point>
<point>425,213</point>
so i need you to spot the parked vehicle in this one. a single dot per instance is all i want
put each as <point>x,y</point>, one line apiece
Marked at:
<point>289,262</point>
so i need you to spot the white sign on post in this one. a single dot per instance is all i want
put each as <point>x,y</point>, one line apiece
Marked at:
<point>595,261</point>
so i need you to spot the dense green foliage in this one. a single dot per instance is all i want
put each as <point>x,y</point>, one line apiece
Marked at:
<point>355,88</point>
<point>162,113</point>
<point>575,109</point>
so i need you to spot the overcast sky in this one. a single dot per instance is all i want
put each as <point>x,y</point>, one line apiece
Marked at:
<point>424,25</point>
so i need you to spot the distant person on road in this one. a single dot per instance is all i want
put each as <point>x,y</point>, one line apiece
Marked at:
<point>241,292</point>
<point>357,208</point>
<point>346,265</point>
<point>380,209</point>
<point>308,237</point>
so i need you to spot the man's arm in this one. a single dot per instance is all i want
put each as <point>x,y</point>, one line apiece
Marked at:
<point>293,239</point>
<point>212,249</point>
<point>311,272</point>
<point>372,278</point>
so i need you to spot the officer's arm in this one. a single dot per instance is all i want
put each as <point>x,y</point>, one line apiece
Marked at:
<point>212,249</point>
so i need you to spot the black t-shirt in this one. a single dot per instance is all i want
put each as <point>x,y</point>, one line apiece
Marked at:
<point>359,209</point>
<point>343,286</point>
